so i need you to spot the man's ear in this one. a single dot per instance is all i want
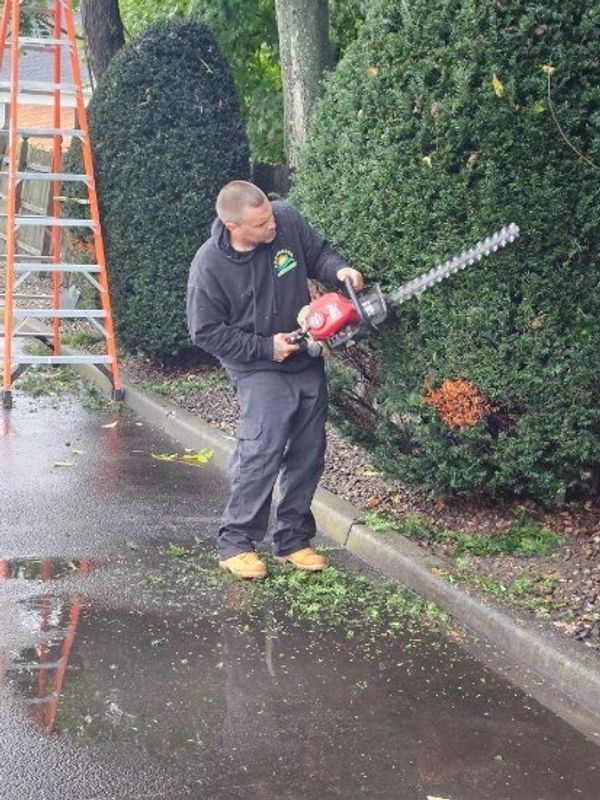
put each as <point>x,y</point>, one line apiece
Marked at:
<point>230,226</point>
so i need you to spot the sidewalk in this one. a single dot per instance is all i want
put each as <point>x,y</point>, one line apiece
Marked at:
<point>555,671</point>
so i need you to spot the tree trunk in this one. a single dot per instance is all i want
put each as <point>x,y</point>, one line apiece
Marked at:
<point>103,33</point>
<point>305,55</point>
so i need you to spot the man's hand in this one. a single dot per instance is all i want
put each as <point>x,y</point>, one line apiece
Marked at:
<point>354,275</point>
<point>282,348</point>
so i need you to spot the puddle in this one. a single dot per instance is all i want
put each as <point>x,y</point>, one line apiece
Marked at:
<point>249,705</point>
<point>42,569</point>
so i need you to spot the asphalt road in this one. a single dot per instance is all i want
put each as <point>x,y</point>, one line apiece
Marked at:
<point>129,669</point>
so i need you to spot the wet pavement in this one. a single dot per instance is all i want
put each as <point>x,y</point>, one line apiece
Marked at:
<point>130,669</point>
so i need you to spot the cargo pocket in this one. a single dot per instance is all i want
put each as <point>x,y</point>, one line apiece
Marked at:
<point>250,447</point>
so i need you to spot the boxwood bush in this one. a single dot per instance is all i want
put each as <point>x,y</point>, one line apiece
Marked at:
<point>166,133</point>
<point>446,120</point>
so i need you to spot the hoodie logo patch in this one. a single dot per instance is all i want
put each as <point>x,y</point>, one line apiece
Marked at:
<point>284,261</point>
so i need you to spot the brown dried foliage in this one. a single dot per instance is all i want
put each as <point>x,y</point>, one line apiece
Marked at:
<point>458,402</point>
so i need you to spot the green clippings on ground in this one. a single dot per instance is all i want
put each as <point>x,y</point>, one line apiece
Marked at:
<point>92,399</point>
<point>532,592</point>
<point>411,525</point>
<point>82,339</point>
<point>379,521</point>
<point>176,551</point>
<point>185,387</point>
<point>523,539</point>
<point>332,596</point>
<point>45,381</point>
<point>36,347</point>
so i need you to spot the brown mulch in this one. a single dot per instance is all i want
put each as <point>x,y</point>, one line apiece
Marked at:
<point>564,585</point>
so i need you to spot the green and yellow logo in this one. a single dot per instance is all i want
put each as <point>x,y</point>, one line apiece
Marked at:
<point>284,261</point>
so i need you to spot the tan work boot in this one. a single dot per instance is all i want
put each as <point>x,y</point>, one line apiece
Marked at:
<point>306,559</point>
<point>245,565</point>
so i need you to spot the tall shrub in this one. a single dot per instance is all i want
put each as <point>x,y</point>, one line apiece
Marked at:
<point>447,119</point>
<point>166,133</point>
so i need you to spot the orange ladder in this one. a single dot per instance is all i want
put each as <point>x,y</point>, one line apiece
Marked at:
<point>19,267</point>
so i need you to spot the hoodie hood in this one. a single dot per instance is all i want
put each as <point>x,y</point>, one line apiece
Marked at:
<point>220,237</point>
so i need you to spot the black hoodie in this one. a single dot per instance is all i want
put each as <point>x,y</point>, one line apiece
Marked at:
<point>237,302</point>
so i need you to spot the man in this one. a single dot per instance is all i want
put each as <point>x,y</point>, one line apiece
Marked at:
<point>247,284</point>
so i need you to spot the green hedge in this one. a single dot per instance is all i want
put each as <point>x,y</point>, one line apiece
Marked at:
<point>167,134</point>
<point>437,129</point>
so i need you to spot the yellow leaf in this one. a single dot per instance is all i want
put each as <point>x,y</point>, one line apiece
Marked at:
<point>498,85</point>
<point>427,160</point>
<point>165,456</point>
<point>77,452</point>
<point>63,464</point>
<point>199,458</point>
<point>111,424</point>
<point>372,71</point>
<point>538,108</point>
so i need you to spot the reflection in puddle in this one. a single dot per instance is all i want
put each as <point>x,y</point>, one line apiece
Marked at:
<point>250,703</point>
<point>272,704</point>
<point>39,671</point>
<point>41,569</point>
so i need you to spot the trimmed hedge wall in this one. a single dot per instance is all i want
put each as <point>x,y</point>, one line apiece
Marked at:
<point>446,120</point>
<point>167,134</point>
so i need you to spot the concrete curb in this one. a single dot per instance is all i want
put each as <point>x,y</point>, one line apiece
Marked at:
<point>572,679</point>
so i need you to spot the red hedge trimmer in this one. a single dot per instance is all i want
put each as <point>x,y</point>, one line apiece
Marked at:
<point>333,321</point>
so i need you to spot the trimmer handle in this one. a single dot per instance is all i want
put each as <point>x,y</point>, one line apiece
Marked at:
<point>355,301</point>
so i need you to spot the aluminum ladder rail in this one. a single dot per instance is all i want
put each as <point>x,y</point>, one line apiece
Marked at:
<point>18,268</point>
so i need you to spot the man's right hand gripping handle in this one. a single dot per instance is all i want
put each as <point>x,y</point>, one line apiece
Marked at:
<point>282,349</point>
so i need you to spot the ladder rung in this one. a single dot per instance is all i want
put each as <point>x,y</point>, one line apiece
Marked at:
<point>62,360</point>
<point>58,313</point>
<point>42,41</point>
<point>24,334</point>
<point>57,267</point>
<point>47,176</point>
<point>45,133</point>
<point>40,86</point>
<point>4,256</point>
<point>40,99</point>
<point>56,222</point>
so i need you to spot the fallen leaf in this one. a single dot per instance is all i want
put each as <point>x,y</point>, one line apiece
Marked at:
<point>498,85</point>
<point>165,456</point>
<point>372,71</point>
<point>64,464</point>
<point>111,424</point>
<point>199,458</point>
<point>372,502</point>
<point>77,452</point>
<point>427,160</point>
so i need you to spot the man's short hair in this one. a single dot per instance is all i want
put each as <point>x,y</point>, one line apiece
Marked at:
<point>235,197</point>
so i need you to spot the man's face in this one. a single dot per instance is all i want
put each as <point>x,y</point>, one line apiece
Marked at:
<point>257,227</point>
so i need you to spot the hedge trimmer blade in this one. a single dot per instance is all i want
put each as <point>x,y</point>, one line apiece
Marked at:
<point>483,248</point>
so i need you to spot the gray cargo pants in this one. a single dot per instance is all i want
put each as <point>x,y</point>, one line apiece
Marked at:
<point>281,431</point>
